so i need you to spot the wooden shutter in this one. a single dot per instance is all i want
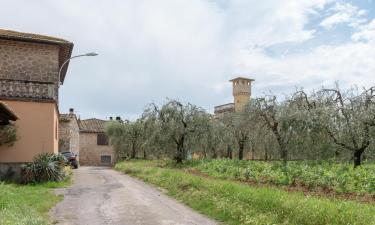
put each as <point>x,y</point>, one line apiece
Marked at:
<point>102,139</point>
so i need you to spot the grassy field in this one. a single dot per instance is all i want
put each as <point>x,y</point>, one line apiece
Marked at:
<point>235,203</point>
<point>27,204</point>
<point>340,177</point>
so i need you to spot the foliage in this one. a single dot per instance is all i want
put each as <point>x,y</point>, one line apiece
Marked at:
<point>27,204</point>
<point>328,124</point>
<point>340,177</point>
<point>176,127</point>
<point>45,167</point>
<point>125,137</point>
<point>234,203</point>
<point>8,134</point>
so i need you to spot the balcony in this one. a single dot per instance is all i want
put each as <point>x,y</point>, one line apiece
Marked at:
<point>28,90</point>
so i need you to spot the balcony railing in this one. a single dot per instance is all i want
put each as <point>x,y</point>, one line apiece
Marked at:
<point>27,89</point>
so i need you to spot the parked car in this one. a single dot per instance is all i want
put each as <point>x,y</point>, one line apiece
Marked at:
<point>71,159</point>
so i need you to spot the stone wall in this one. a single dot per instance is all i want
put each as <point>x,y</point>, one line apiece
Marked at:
<point>90,152</point>
<point>69,135</point>
<point>29,61</point>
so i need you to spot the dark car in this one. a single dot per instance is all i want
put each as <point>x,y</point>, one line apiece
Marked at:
<point>71,159</point>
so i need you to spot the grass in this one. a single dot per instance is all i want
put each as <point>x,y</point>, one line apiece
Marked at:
<point>235,203</point>
<point>28,204</point>
<point>340,177</point>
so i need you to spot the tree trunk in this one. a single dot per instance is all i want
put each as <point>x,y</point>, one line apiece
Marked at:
<point>229,152</point>
<point>144,154</point>
<point>357,158</point>
<point>240,150</point>
<point>133,151</point>
<point>284,155</point>
<point>179,154</point>
<point>252,152</point>
<point>265,152</point>
<point>214,155</point>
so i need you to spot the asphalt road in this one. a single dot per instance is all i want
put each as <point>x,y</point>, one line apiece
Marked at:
<point>102,196</point>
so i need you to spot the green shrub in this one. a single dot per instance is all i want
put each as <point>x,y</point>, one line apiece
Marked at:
<point>45,167</point>
<point>8,134</point>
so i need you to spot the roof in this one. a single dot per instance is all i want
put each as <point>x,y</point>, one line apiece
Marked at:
<point>92,125</point>
<point>6,113</point>
<point>64,117</point>
<point>241,78</point>
<point>66,47</point>
<point>224,108</point>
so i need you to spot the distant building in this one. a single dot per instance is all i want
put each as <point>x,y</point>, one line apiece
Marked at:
<point>95,149</point>
<point>87,139</point>
<point>241,95</point>
<point>69,132</point>
<point>29,84</point>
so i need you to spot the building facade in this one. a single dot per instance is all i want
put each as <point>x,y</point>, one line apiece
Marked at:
<point>29,83</point>
<point>95,149</point>
<point>241,96</point>
<point>69,132</point>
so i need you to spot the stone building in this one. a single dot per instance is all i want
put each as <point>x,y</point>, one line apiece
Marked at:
<point>29,83</point>
<point>69,132</point>
<point>86,138</point>
<point>241,93</point>
<point>94,144</point>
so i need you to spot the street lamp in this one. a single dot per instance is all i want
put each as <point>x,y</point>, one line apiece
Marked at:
<point>76,56</point>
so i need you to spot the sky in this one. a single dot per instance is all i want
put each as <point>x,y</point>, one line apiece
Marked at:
<point>153,50</point>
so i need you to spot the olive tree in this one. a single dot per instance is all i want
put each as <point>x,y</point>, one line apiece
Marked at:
<point>215,138</point>
<point>175,125</point>
<point>347,118</point>
<point>125,137</point>
<point>282,120</point>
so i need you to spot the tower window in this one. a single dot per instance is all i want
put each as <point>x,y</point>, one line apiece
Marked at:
<point>243,82</point>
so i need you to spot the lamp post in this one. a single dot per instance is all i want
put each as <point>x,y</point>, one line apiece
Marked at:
<point>76,56</point>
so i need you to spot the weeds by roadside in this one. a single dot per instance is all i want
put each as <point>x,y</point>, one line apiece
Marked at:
<point>235,203</point>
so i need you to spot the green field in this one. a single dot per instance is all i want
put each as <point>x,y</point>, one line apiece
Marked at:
<point>231,202</point>
<point>340,177</point>
<point>27,204</point>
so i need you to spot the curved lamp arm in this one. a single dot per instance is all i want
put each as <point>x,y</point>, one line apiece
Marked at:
<point>76,56</point>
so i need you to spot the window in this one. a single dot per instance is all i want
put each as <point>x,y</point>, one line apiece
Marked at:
<point>102,139</point>
<point>106,159</point>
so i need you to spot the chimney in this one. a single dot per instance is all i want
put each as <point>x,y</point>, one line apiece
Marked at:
<point>118,118</point>
<point>71,111</point>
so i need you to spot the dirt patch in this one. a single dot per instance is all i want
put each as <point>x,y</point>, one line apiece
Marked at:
<point>298,187</point>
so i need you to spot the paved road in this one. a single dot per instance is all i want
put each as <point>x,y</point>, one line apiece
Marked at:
<point>102,196</point>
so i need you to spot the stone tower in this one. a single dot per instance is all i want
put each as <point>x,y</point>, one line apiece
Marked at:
<point>241,92</point>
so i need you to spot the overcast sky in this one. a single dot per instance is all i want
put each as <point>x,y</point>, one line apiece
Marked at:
<point>189,49</point>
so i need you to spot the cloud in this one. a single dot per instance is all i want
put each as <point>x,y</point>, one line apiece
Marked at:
<point>366,33</point>
<point>186,49</point>
<point>344,13</point>
<point>350,64</point>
